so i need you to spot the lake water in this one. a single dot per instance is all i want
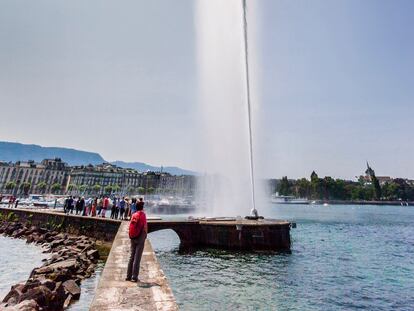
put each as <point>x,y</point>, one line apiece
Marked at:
<point>17,260</point>
<point>343,258</point>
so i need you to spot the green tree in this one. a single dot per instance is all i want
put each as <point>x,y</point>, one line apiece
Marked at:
<point>368,193</point>
<point>403,191</point>
<point>41,186</point>
<point>141,190</point>
<point>72,187</point>
<point>83,188</point>
<point>284,187</point>
<point>377,187</point>
<point>151,190</point>
<point>25,187</point>
<point>108,189</point>
<point>316,186</point>
<point>130,190</point>
<point>10,185</point>
<point>303,187</point>
<point>340,191</point>
<point>96,188</point>
<point>116,188</point>
<point>389,190</point>
<point>56,188</point>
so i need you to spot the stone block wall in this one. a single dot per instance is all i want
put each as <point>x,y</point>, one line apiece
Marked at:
<point>98,228</point>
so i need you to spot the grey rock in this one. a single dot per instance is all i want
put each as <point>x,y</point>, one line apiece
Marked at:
<point>72,288</point>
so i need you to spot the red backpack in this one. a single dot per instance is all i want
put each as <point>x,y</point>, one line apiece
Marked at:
<point>134,228</point>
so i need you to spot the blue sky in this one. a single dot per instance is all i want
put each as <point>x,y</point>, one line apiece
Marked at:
<point>338,87</point>
<point>118,78</point>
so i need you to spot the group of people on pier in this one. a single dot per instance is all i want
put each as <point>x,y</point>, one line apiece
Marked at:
<point>121,208</point>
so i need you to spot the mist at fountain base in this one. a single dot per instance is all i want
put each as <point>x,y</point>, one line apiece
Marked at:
<point>226,148</point>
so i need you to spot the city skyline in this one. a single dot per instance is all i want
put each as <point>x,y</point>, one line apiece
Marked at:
<point>334,80</point>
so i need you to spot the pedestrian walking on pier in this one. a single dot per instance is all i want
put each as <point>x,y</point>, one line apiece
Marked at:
<point>105,205</point>
<point>78,206</point>
<point>11,201</point>
<point>138,230</point>
<point>93,209</point>
<point>69,205</point>
<point>122,205</point>
<point>65,205</point>
<point>83,206</point>
<point>99,206</point>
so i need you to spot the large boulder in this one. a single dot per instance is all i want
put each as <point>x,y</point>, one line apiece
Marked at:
<point>70,264</point>
<point>72,288</point>
<point>41,294</point>
<point>15,293</point>
<point>94,253</point>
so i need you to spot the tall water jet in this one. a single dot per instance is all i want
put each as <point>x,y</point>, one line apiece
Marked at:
<point>249,110</point>
<point>224,92</point>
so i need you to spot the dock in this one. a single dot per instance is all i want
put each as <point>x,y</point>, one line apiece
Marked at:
<point>114,293</point>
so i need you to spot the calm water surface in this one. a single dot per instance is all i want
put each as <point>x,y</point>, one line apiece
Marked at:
<point>343,258</point>
<point>17,260</point>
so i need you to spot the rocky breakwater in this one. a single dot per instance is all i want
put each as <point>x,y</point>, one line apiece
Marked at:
<point>57,282</point>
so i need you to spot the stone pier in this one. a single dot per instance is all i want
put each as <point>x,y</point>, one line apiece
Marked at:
<point>154,293</point>
<point>114,293</point>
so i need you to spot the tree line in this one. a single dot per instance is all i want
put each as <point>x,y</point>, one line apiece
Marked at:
<point>79,189</point>
<point>328,188</point>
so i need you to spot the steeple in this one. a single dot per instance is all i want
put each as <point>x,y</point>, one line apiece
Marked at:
<point>369,172</point>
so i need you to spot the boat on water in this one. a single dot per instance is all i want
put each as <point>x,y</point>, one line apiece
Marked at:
<point>171,206</point>
<point>288,199</point>
<point>39,200</point>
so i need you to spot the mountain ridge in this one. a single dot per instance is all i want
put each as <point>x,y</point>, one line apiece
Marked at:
<point>14,151</point>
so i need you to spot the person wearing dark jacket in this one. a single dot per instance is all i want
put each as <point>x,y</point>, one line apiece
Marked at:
<point>78,206</point>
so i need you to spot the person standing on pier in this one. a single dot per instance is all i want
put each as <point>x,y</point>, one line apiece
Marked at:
<point>133,207</point>
<point>114,207</point>
<point>140,204</point>
<point>138,229</point>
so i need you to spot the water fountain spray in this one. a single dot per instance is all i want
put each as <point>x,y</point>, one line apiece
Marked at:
<point>254,212</point>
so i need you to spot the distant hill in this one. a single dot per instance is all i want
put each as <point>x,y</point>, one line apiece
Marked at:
<point>12,152</point>
<point>143,167</point>
<point>21,152</point>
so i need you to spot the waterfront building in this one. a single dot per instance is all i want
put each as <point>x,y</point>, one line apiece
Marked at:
<point>106,178</point>
<point>30,177</point>
<point>55,176</point>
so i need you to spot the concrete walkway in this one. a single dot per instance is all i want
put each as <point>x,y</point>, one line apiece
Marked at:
<point>114,293</point>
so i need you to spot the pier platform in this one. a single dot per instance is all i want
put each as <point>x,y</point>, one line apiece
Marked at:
<point>114,293</point>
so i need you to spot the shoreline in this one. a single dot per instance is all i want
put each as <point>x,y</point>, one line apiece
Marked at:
<point>56,283</point>
<point>342,202</point>
<point>381,203</point>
